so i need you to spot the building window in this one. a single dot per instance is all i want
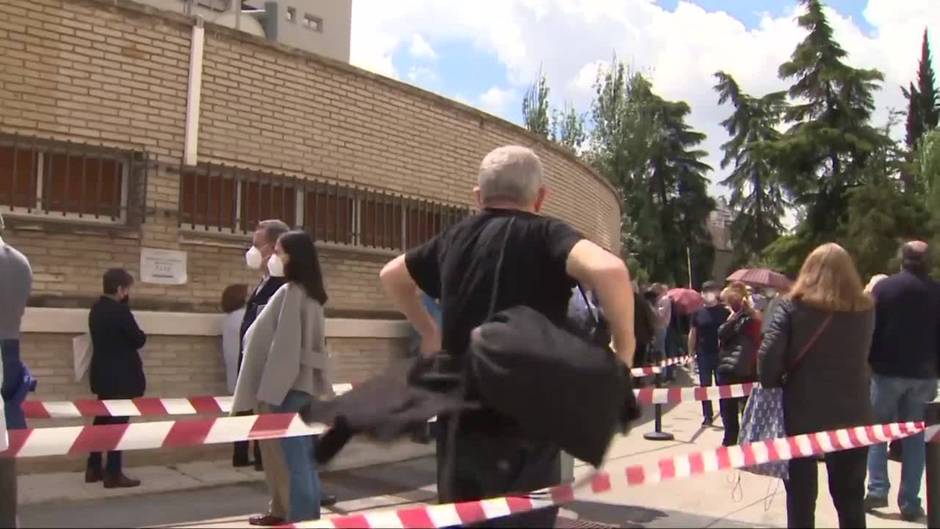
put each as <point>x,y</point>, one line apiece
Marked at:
<point>313,22</point>
<point>60,179</point>
<point>214,198</point>
<point>291,14</point>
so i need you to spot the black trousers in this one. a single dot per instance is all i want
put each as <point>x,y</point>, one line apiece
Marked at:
<point>846,471</point>
<point>115,465</point>
<point>486,466</point>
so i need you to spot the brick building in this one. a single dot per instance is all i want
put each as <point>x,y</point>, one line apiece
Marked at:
<point>97,168</point>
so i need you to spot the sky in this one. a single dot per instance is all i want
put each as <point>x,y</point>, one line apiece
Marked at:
<point>486,53</point>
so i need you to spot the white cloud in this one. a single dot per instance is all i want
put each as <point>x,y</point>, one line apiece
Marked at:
<point>496,100</point>
<point>680,50</point>
<point>424,77</point>
<point>421,49</point>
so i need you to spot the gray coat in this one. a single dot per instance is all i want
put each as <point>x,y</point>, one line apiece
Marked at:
<point>829,387</point>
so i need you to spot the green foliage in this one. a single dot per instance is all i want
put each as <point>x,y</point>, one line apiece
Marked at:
<point>756,196</point>
<point>923,103</point>
<point>568,128</point>
<point>535,107</point>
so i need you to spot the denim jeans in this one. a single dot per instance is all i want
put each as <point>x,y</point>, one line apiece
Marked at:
<point>707,364</point>
<point>897,399</point>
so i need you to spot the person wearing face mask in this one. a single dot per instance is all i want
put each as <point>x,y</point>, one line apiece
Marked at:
<point>257,258</point>
<point>703,341</point>
<point>738,340</point>
<point>117,371</point>
<point>286,369</point>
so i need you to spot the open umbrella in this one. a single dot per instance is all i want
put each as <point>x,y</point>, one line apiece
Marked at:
<point>686,299</point>
<point>761,277</point>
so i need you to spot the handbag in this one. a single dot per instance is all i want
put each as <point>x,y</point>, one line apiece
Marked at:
<point>763,415</point>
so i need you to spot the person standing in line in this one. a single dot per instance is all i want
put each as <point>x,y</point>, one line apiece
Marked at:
<point>117,371</point>
<point>703,341</point>
<point>287,367</point>
<point>262,248</point>
<point>738,340</point>
<point>904,363</point>
<point>233,305</point>
<point>16,279</point>
<point>816,349</point>
<point>663,309</point>
<point>544,259</point>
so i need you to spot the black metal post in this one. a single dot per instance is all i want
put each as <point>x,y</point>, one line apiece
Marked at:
<point>658,434</point>
<point>933,468</point>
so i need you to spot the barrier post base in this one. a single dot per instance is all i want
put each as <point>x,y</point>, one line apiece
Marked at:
<point>659,436</point>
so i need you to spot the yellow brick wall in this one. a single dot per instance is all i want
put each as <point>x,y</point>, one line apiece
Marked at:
<point>115,74</point>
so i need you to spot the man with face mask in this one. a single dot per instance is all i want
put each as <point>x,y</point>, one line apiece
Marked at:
<point>258,257</point>
<point>116,369</point>
<point>703,341</point>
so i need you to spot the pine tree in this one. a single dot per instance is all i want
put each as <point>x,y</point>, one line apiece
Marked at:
<point>756,196</point>
<point>536,112</point>
<point>923,103</point>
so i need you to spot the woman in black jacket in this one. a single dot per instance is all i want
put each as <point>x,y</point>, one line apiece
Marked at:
<point>816,348</point>
<point>738,339</point>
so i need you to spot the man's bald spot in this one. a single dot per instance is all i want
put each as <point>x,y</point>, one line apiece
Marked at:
<point>915,248</point>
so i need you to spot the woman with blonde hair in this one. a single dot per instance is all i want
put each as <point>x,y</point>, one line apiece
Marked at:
<point>738,339</point>
<point>816,348</point>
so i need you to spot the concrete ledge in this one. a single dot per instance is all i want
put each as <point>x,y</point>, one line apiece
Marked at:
<point>75,321</point>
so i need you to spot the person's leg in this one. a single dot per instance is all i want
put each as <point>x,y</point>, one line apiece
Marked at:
<point>114,467</point>
<point>885,396</point>
<point>846,471</point>
<point>7,492</point>
<point>240,454</point>
<point>276,475</point>
<point>802,488</point>
<point>705,372</point>
<point>93,468</point>
<point>304,481</point>
<point>913,406</point>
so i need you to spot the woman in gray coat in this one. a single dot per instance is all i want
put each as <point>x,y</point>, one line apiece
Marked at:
<point>816,348</point>
<point>286,366</point>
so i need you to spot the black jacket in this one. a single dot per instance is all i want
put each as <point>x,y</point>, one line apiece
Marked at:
<point>116,369</point>
<point>738,339</point>
<point>906,341</point>
<point>828,388</point>
<point>258,299</point>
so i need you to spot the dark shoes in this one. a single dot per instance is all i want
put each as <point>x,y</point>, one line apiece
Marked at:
<point>327,500</point>
<point>120,481</point>
<point>874,502</point>
<point>913,515</point>
<point>265,520</point>
<point>93,475</point>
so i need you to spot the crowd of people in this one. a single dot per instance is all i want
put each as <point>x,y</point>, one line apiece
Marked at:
<point>844,354</point>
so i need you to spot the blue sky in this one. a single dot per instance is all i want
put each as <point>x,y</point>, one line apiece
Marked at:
<point>486,53</point>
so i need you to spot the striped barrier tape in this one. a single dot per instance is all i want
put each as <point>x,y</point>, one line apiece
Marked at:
<point>157,407</point>
<point>73,440</point>
<point>658,368</point>
<point>667,469</point>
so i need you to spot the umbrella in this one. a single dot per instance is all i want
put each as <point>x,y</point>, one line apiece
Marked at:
<point>761,277</point>
<point>687,299</point>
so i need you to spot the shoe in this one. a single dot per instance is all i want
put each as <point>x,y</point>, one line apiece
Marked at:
<point>913,515</point>
<point>709,421</point>
<point>120,482</point>
<point>93,475</point>
<point>874,502</point>
<point>327,500</point>
<point>240,463</point>
<point>265,520</point>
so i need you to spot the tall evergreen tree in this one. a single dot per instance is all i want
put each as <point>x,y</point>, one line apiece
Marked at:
<point>824,153</point>
<point>756,197</point>
<point>536,112</point>
<point>923,103</point>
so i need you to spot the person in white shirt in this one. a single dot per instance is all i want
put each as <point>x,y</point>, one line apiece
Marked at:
<point>233,304</point>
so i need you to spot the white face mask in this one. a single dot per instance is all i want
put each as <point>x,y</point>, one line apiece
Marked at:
<point>253,258</point>
<point>275,266</point>
<point>711,299</point>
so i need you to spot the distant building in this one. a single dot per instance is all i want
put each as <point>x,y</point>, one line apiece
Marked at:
<point>719,225</point>
<point>317,26</point>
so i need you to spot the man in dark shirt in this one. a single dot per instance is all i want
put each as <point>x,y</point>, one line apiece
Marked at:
<point>116,369</point>
<point>703,341</point>
<point>904,363</point>
<point>544,258</point>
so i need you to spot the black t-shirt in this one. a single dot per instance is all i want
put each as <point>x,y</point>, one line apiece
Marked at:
<point>459,266</point>
<point>706,322</point>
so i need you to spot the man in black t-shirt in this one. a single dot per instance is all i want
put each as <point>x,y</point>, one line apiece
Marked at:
<point>544,259</point>
<point>703,341</point>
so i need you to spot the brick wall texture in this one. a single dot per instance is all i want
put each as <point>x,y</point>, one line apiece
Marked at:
<point>115,73</point>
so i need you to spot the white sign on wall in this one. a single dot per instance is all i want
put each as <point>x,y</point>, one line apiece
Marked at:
<point>163,267</point>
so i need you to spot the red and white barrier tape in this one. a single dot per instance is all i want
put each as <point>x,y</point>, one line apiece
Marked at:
<point>71,440</point>
<point>658,368</point>
<point>141,407</point>
<point>677,395</point>
<point>678,467</point>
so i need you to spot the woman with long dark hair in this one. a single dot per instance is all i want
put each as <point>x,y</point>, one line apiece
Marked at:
<point>286,366</point>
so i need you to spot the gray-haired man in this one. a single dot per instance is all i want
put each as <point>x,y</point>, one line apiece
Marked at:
<point>544,258</point>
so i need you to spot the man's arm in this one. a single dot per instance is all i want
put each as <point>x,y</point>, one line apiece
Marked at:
<point>607,275</point>
<point>405,294</point>
<point>693,337</point>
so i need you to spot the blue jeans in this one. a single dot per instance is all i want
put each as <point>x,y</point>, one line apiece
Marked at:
<point>290,469</point>
<point>897,399</point>
<point>707,364</point>
<point>13,370</point>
